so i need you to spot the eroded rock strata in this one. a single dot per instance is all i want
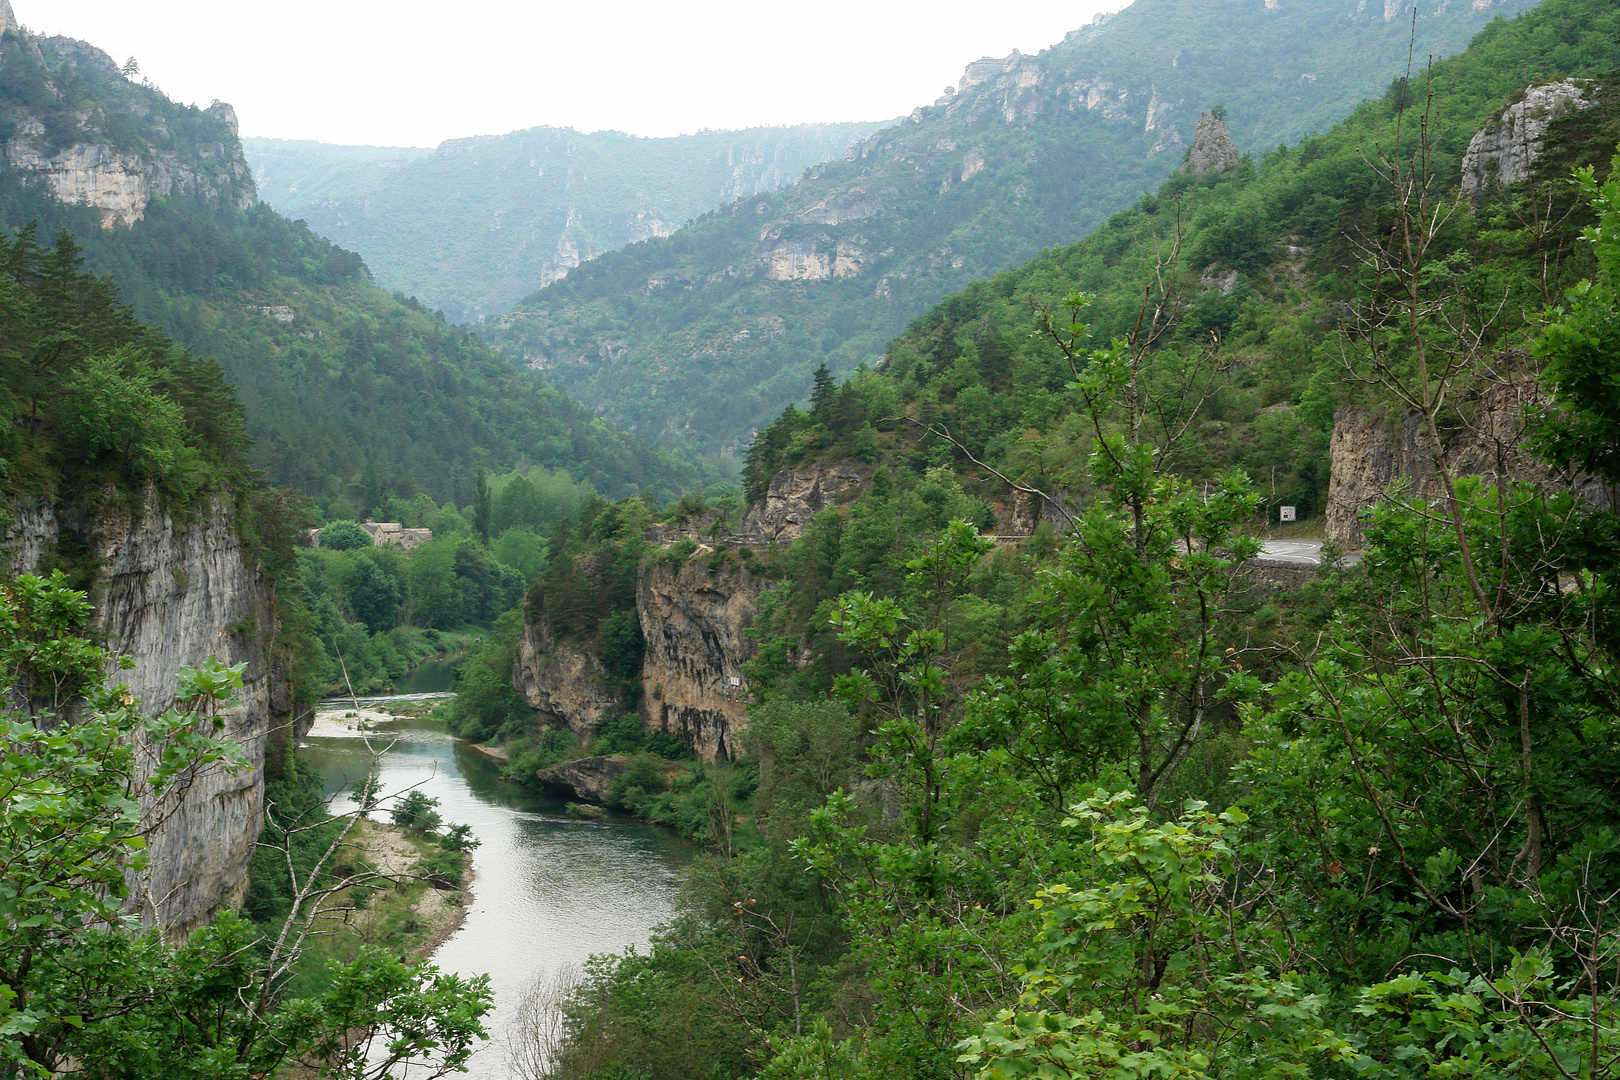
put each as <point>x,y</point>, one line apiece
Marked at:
<point>169,594</point>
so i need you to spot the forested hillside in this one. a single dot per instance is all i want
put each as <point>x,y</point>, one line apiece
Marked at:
<point>1113,800</point>
<point>696,339</point>
<point>348,392</point>
<point>1266,262</point>
<point>484,221</point>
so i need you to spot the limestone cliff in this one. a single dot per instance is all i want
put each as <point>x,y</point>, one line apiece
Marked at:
<point>118,144</point>
<point>1212,148</point>
<point>1504,150</point>
<point>565,685</point>
<point>695,616</point>
<point>1372,453</point>
<point>170,594</point>
<point>795,497</point>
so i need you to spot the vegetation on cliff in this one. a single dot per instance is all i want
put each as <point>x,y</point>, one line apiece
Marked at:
<point>696,339</point>
<point>79,987</point>
<point>1134,813</point>
<point>1267,271</point>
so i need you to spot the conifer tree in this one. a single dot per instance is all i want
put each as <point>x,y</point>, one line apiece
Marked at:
<point>482,510</point>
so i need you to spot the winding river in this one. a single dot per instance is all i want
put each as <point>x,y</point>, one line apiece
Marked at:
<point>548,891</point>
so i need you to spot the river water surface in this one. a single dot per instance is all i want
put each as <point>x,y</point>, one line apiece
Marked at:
<point>548,891</point>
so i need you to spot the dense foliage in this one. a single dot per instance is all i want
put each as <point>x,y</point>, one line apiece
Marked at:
<point>1124,811</point>
<point>346,390</point>
<point>697,339</point>
<point>1267,273</point>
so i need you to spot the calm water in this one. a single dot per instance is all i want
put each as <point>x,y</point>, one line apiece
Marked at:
<point>435,676</point>
<point>549,891</point>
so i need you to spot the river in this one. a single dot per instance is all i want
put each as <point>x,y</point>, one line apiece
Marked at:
<point>548,891</point>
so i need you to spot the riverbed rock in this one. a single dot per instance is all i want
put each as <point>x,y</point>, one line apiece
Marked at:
<point>590,778</point>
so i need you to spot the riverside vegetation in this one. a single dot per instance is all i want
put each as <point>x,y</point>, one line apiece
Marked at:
<point>1097,805</point>
<point>1088,805</point>
<point>104,411</point>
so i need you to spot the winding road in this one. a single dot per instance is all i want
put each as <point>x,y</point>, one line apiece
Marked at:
<point>1300,553</point>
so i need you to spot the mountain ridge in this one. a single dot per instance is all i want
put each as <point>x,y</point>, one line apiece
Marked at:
<point>477,222</point>
<point>350,394</point>
<point>1026,151</point>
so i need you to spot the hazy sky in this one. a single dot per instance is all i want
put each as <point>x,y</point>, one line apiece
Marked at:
<point>410,73</point>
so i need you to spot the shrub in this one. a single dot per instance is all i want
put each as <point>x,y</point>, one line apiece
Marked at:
<point>344,536</point>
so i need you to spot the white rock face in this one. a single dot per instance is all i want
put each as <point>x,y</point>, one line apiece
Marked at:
<point>1504,151</point>
<point>115,184</point>
<point>171,596</point>
<point>696,622</point>
<point>566,686</point>
<point>1212,148</point>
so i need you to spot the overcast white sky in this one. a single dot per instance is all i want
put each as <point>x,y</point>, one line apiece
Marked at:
<point>413,74</point>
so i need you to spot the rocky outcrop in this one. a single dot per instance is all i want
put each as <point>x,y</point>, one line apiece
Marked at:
<point>1212,147</point>
<point>1504,150</point>
<point>567,687</point>
<point>1373,453</point>
<point>115,184</point>
<point>795,497</point>
<point>1021,513</point>
<point>590,779</point>
<point>103,167</point>
<point>695,617</point>
<point>169,594</point>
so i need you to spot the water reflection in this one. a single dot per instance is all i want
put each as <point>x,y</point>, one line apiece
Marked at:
<point>549,891</point>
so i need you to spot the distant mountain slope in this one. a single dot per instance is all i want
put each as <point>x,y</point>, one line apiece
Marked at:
<point>348,391</point>
<point>478,223</point>
<point>293,175</point>
<point>1270,271</point>
<point>696,339</point>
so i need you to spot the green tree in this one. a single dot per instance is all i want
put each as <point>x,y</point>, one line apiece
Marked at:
<point>111,407</point>
<point>521,549</point>
<point>435,596</point>
<point>417,811</point>
<point>77,984</point>
<point>1579,344</point>
<point>483,514</point>
<point>520,504</point>
<point>373,595</point>
<point>344,536</point>
<point>1143,964</point>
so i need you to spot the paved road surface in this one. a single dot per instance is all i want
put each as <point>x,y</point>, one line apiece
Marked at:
<point>1300,553</point>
